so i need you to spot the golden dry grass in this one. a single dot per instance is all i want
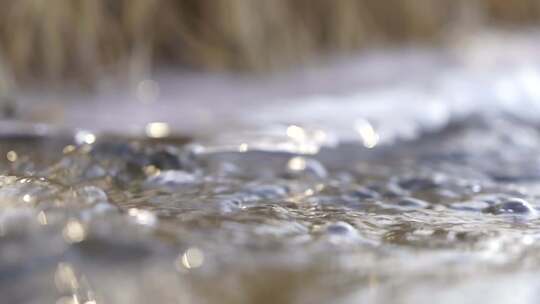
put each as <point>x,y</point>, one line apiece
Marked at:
<point>80,39</point>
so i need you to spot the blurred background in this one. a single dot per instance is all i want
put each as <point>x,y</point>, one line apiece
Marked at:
<point>66,61</point>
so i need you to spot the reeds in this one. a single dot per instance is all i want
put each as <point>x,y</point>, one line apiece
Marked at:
<point>83,39</point>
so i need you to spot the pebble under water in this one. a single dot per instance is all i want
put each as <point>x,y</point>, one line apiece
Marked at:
<point>450,217</point>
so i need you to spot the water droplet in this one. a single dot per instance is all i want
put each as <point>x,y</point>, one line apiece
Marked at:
<point>27,198</point>
<point>296,164</point>
<point>157,130</point>
<point>74,231</point>
<point>296,132</point>
<point>243,147</point>
<point>369,137</point>
<point>143,217</point>
<point>85,137</point>
<point>191,258</point>
<point>12,156</point>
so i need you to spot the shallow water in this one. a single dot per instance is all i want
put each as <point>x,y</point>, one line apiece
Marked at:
<point>451,215</point>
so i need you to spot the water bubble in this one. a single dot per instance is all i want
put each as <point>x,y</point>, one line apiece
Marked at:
<point>170,178</point>
<point>363,193</point>
<point>512,206</point>
<point>268,191</point>
<point>340,228</point>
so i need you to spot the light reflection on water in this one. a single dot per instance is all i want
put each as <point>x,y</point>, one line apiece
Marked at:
<point>450,214</point>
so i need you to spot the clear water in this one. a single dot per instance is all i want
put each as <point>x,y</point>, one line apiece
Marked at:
<point>450,216</point>
<point>422,187</point>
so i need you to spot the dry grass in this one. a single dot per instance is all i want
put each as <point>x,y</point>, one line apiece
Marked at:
<point>81,39</point>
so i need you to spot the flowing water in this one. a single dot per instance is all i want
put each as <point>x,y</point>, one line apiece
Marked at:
<point>450,216</point>
<point>420,192</point>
